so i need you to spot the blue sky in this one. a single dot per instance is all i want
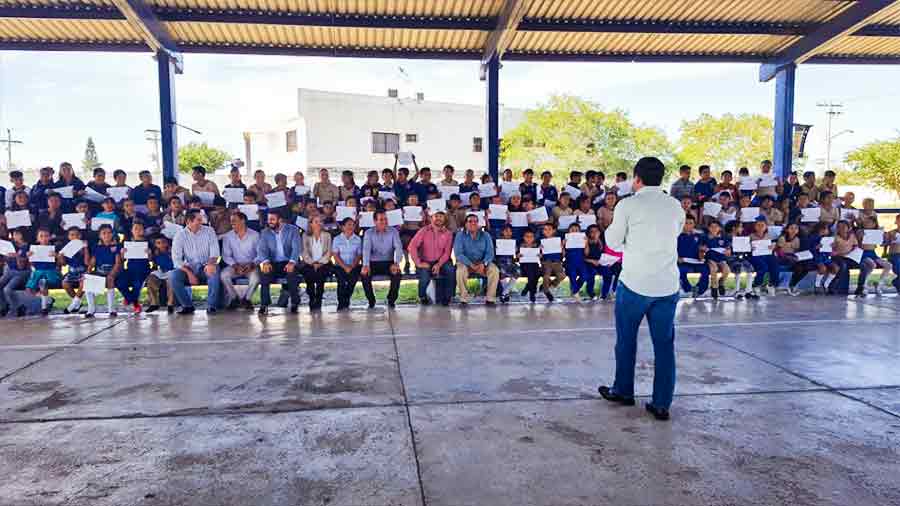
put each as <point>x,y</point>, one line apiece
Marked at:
<point>54,101</point>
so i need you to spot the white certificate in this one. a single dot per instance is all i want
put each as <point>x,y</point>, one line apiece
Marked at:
<point>826,244</point>
<point>16,219</point>
<point>73,248</point>
<point>498,212</point>
<point>367,219</point>
<point>395,217</point>
<point>849,214</point>
<point>7,248</point>
<point>487,190</point>
<point>437,205</point>
<point>538,215</point>
<point>66,192</point>
<point>575,240</point>
<point>464,197</point>
<point>518,219</point>
<point>96,223</point>
<point>565,221</point>
<point>551,245</point>
<point>448,191</point>
<point>170,229</point>
<point>761,247</point>
<point>301,190</point>
<point>70,220</point>
<point>93,195</point>
<point>767,181</point>
<point>341,212</point>
<point>94,284</point>
<point>529,255</point>
<point>479,214</point>
<point>275,199</point>
<point>302,223</point>
<point>775,231</point>
<point>572,191</point>
<point>711,209</point>
<point>623,188</point>
<point>873,236</point>
<point>386,195</point>
<point>506,247</point>
<point>810,214</point>
<point>233,195</point>
<point>412,214</point>
<point>727,218</point>
<point>404,159</point>
<point>251,211</point>
<point>509,188</point>
<point>748,183</point>
<point>586,220</point>
<point>804,255</point>
<point>135,250</point>
<point>606,259</point>
<point>42,253</point>
<point>740,244</point>
<point>749,214</point>
<point>695,261</point>
<point>855,255</point>
<point>118,193</point>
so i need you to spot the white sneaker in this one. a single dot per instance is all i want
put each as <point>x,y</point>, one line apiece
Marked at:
<point>792,291</point>
<point>685,295</point>
<point>879,289</point>
<point>771,291</point>
<point>576,297</point>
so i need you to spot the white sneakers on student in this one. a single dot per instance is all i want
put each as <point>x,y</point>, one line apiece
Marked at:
<point>685,295</point>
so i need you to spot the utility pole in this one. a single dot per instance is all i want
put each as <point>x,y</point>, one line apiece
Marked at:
<point>9,141</point>
<point>831,111</point>
<point>154,137</point>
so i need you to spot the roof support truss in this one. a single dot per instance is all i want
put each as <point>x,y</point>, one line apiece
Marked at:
<point>141,16</point>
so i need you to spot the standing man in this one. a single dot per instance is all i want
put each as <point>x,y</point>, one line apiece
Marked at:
<point>325,190</point>
<point>430,251</point>
<point>474,251</point>
<point>278,255</point>
<point>239,254</point>
<point>382,253</point>
<point>645,229</point>
<point>195,255</point>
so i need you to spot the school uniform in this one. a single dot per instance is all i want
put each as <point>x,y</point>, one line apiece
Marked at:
<point>14,278</point>
<point>549,193</point>
<point>158,279</point>
<point>140,193</point>
<point>68,204</point>
<point>131,279</point>
<point>763,264</point>
<point>704,190</point>
<point>532,273</point>
<point>576,269</point>
<point>552,267</point>
<point>689,247</point>
<point>526,189</point>
<point>77,266</point>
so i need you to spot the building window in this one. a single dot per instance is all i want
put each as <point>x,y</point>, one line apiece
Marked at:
<point>477,144</point>
<point>385,142</point>
<point>291,141</point>
<point>412,137</point>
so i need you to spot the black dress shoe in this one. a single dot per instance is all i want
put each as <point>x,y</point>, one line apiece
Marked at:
<point>152,308</point>
<point>425,301</point>
<point>490,303</point>
<point>186,310</point>
<point>611,396</point>
<point>371,304</point>
<point>658,413</point>
<point>392,304</point>
<point>263,310</point>
<point>211,310</point>
<point>170,309</point>
<point>295,308</point>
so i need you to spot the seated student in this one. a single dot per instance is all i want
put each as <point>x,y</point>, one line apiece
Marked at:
<point>162,270</point>
<point>718,249</point>
<point>829,213</point>
<point>142,192</point>
<point>576,268</point>
<point>742,173</point>
<point>175,212</point>
<point>171,189</point>
<point>430,251</point>
<point>826,269</point>
<point>528,188</point>
<point>50,219</point>
<point>536,226</point>
<point>346,251</point>
<point>739,262</point>
<point>128,217</point>
<point>893,240</point>
<point>37,197</point>
<point>201,184</point>
<point>683,186</point>
<point>551,266</point>
<point>68,178</point>
<point>76,267</point>
<point>727,184</point>
<point>108,212</point>
<point>18,185</point>
<point>605,214</point>
<point>870,258</point>
<point>563,208</point>
<point>788,244</point>
<point>705,187</point>
<point>765,263</point>
<point>868,209</point>
<point>119,179</point>
<point>593,252</point>
<point>690,259</point>
<point>153,218</point>
<point>495,225</point>
<point>260,187</point>
<point>43,276</point>
<point>532,271</point>
<point>105,261</point>
<point>316,256</point>
<point>16,273</point>
<point>828,184</point>
<point>469,185</point>
<point>687,205</point>
<point>408,231</point>
<point>768,210</point>
<point>583,207</point>
<point>509,270</point>
<point>130,279</point>
<point>845,241</point>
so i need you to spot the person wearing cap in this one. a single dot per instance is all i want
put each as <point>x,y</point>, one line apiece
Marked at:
<point>145,190</point>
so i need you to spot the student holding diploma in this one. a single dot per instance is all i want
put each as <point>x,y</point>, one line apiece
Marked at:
<point>104,261</point>
<point>74,256</point>
<point>17,270</point>
<point>505,248</point>
<point>136,258</point>
<point>870,238</point>
<point>551,261</point>
<point>44,274</point>
<point>690,251</point>
<point>845,254</point>
<point>763,257</point>
<point>893,240</point>
<point>576,268</point>
<point>529,262</point>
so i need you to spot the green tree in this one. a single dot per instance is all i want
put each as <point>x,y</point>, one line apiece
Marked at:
<point>879,163</point>
<point>571,133</point>
<point>90,161</point>
<point>726,142</point>
<point>193,154</point>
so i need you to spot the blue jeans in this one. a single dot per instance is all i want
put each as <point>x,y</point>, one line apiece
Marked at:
<point>895,263</point>
<point>181,287</point>
<point>762,265</point>
<point>631,308</point>
<point>130,281</point>
<point>578,273</point>
<point>685,269</point>
<point>443,287</point>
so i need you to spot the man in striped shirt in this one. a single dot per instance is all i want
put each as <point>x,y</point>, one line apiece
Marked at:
<point>195,254</point>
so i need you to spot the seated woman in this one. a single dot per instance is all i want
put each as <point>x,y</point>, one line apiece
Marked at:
<point>316,261</point>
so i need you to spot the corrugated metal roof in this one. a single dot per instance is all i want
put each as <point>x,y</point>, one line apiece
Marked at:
<point>69,30</point>
<point>461,8</point>
<point>644,43</point>
<point>876,47</point>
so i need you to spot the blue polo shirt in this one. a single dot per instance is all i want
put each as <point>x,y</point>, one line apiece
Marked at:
<point>689,245</point>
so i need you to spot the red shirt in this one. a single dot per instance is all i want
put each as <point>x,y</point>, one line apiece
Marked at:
<point>431,245</point>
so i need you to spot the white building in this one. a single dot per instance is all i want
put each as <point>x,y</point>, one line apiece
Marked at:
<point>340,131</point>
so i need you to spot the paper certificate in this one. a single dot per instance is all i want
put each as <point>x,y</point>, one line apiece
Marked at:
<point>137,250</point>
<point>275,199</point>
<point>251,211</point>
<point>118,193</point>
<point>66,192</point>
<point>404,159</point>
<point>7,248</point>
<point>551,245</point>
<point>762,247</point>
<point>518,220</point>
<point>367,219</point>
<point>826,244</point>
<point>169,229</point>
<point>873,236</point>
<point>855,255</point>
<point>479,214</point>
<point>301,190</point>
<point>302,223</point>
<point>748,183</point>
<point>94,284</point>
<point>749,214</point>
<point>506,247</point>
<point>498,212</point>
<point>695,261</point>
<point>711,209</point>
<point>804,255</point>
<point>727,218</point>
<point>849,214</point>
<point>810,214</point>
<point>233,195</point>
<point>448,191</point>
<point>77,220</point>
<point>342,212</point>
<point>572,191</point>
<point>437,205</point>
<point>42,253</point>
<point>606,259</point>
<point>775,231</point>
<point>96,223</point>
<point>487,190</point>
<point>93,195</point>
<point>529,255</point>
<point>412,214</point>
<point>575,240</point>
<point>395,217</point>
<point>623,188</point>
<point>740,244</point>
<point>767,181</point>
<point>565,221</point>
<point>509,188</point>
<point>538,215</point>
<point>73,248</point>
<point>465,197</point>
<point>586,220</point>
<point>16,219</point>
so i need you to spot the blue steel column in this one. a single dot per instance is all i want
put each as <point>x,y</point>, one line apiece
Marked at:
<point>493,117</point>
<point>784,119</point>
<point>169,153</point>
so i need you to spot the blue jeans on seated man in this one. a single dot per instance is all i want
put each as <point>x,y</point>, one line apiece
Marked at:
<point>444,286</point>
<point>686,269</point>
<point>631,308</point>
<point>181,287</point>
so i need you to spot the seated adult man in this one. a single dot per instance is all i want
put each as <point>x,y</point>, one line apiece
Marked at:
<point>474,252</point>
<point>382,252</point>
<point>195,255</point>
<point>430,251</point>
<point>239,254</point>
<point>278,255</point>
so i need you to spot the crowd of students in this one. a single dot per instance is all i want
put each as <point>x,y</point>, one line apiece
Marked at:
<point>93,239</point>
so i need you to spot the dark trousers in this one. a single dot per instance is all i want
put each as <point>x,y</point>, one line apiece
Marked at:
<point>799,270</point>
<point>381,269</point>
<point>315,283</point>
<point>762,265</point>
<point>533,275</point>
<point>702,284</point>
<point>444,285</point>
<point>265,281</point>
<point>130,281</point>
<point>346,282</point>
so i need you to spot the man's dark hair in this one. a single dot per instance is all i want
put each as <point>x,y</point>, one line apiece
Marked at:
<point>199,168</point>
<point>191,214</point>
<point>651,170</point>
<point>16,174</point>
<point>99,170</point>
<point>347,220</point>
<point>448,166</point>
<point>144,173</point>
<point>683,168</point>
<point>241,216</point>
<point>379,212</point>
<point>119,172</point>
<point>546,173</point>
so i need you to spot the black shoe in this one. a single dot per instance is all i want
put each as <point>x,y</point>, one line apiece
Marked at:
<point>445,303</point>
<point>532,298</point>
<point>658,413</point>
<point>88,316</point>
<point>504,299</point>
<point>4,312</point>
<point>151,309</point>
<point>263,310</point>
<point>295,308</point>
<point>211,310</point>
<point>186,310</point>
<point>21,312</point>
<point>45,311</point>
<point>113,314</point>
<point>392,304</point>
<point>715,293</point>
<point>170,309</point>
<point>611,396</point>
<point>246,304</point>
<point>523,293</point>
<point>463,303</point>
<point>721,291</point>
<point>490,303</point>
<point>548,295</point>
<point>234,304</point>
<point>425,301</point>
<point>371,303</point>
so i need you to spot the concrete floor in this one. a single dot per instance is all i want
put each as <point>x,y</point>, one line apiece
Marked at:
<point>784,401</point>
